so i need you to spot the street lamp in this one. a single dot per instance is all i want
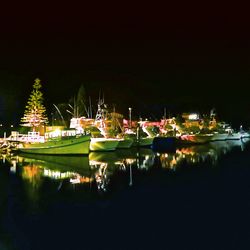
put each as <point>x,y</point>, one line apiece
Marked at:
<point>130,109</point>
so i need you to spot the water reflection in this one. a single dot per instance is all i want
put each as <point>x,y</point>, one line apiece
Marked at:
<point>210,152</point>
<point>105,164</point>
<point>96,170</point>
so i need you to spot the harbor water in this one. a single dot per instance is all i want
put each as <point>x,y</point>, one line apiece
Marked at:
<point>193,197</point>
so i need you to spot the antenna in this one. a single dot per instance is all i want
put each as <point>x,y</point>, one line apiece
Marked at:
<point>60,114</point>
<point>165,115</point>
<point>99,100</point>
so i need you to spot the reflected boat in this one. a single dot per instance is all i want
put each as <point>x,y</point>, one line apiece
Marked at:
<point>74,169</point>
<point>105,164</point>
<point>238,143</point>
<point>96,171</point>
<point>193,154</point>
<point>62,172</point>
<point>134,152</point>
<point>105,157</point>
<point>60,163</point>
<point>142,157</point>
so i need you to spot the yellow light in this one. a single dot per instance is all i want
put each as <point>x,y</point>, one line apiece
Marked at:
<point>193,117</point>
<point>56,133</point>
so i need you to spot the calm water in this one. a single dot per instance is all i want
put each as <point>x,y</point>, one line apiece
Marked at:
<point>194,198</point>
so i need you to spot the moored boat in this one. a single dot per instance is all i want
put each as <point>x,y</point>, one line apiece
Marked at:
<point>194,138</point>
<point>219,136</point>
<point>233,136</point>
<point>144,141</point>
<point>125,143</point>
<point>140,138</point>
<point>103,144</point>
<point>245,134</point>
<point>65,146</point>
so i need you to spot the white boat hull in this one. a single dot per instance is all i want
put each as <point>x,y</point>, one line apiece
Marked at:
<point>245,135</point>
<point>234,136</point>
<point>219,137</point>
<point>103,144</point>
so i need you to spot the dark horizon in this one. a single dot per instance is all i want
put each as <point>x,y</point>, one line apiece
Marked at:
<point>185,61</point>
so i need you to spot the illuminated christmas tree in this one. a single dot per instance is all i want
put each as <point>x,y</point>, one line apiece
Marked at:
<point>35,112</point>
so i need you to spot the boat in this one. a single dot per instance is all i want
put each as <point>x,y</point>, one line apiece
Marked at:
<point>194,138</point>
<point>219,136</point>
<point>125,142</point>
<point>232,135</point>
<point>103,144</point>
<point>225,130</point>
<point>68,144</point>
<point>98,142</point>
<point>140,138</point>
<point>110,127</point>
<point>144,141</point>
<point>245,134</point>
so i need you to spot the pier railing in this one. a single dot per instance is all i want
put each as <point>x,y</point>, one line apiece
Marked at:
<point>30,137</point>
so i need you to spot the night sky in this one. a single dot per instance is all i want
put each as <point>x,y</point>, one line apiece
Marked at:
<point>192,58</point>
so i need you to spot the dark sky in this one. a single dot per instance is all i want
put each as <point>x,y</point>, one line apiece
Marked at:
<point>147,57</point>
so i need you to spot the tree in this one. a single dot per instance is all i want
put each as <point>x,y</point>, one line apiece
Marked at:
<point>78,104</point>
<point>35,112</point>
<point>81,101</point>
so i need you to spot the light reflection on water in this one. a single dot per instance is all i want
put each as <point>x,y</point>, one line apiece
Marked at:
<point>49,202</point>
<point>95,171</point>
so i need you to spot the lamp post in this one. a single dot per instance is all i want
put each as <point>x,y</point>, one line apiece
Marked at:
<point>130,176</point>
<point>130,123</point>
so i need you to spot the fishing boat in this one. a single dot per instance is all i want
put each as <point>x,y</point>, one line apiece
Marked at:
<point>103,144</point>
<point>68,143</point>
<point>233,135</point>
<point>139,141</point>
<point>125,142</point>
<point>194,138</point>
<point>245,134</point>
<point>144,142</point>
<point>219,136</point>
<point>140,137</point>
